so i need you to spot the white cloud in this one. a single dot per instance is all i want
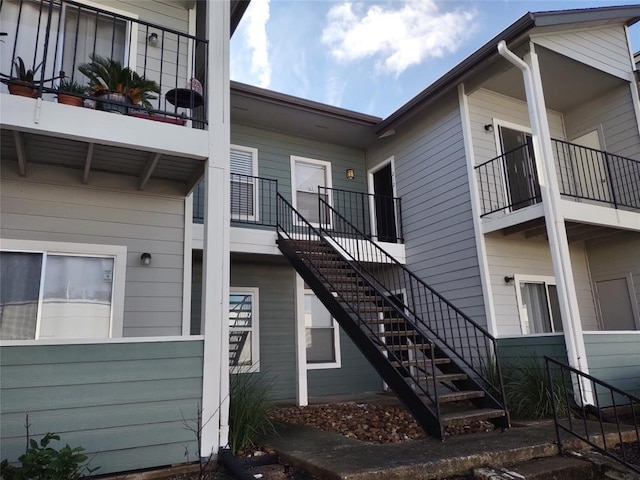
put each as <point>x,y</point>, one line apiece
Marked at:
<point>334,89</point>
<point>397,35</point>
<point>255,35</point>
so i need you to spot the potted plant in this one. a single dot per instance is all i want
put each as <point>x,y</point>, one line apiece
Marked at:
<point>70,92</point>
<point>116,86</point>
<point>23,83</point>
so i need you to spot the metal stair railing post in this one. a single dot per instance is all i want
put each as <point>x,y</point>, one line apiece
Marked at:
<point>375,255</point>
<point>608,392</point>
<point>286,230</point>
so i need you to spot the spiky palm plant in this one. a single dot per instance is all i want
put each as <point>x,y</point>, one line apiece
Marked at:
<point>22,73</point>
<point>108,75</point>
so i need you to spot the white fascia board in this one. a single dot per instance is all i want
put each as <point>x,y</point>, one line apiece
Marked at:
<point>513,218</point>
<point>88,125</point>
<point>600,215</point>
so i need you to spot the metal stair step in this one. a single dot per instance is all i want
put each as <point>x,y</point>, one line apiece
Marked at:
<point>420,363</point>
<point>463,417</point>
<point>444,377</point>
<point>401,348</point>
<point>398,333</point>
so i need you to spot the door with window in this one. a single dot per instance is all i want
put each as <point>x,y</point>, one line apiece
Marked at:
<point>538,305</point>
<point>521,177</point>
<point>309,177</point>
<point>590,168</point>
<point>385,219</point>
<point>617,304</point>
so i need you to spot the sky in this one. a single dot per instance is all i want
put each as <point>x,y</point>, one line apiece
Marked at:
<point>371,56</point>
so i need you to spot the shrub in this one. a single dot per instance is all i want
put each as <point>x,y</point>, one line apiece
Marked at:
<point>528,392</point>
<point>249,409</point>
<point>42,462</point>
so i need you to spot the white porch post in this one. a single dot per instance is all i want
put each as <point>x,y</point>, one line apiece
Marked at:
<point>554,219</point>
<point>302,395</point>
<point>215,285</point>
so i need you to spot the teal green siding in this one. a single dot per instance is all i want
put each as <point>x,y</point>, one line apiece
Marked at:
<point>615,359</point>
<point>123,402</point>
<point>514,349</point>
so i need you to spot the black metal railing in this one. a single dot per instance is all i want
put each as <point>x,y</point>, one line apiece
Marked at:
<point>58,35</point>
<point>378,216</point>
<point>458,335</point>
<point>615,412</point>
<point>253,200</point>
<point>509,182</point>
<point>589,174</point>
<point>294,227</point>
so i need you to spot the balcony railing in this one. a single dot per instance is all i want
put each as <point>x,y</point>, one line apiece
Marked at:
<point>510,181</point>
<point>253,200</point>
<point>57,36</point>
<point>377,216</point>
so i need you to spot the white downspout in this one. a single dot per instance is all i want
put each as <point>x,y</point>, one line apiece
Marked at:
<point>554,220</point>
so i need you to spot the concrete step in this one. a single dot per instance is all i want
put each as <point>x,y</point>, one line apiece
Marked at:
<point>550,468</point>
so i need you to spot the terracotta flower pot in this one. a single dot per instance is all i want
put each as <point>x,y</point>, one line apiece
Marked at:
<point>67,99</point>
<point>22,89</point>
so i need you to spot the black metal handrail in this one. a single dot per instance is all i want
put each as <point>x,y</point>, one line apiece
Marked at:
<point>589,174</point>
<point>459,336</point>
<point>612,405</point>
<point>253,200</point>
<point>378,216</point>
<point>509,181</point>
<point>294,227</point>
<point>68,33</point>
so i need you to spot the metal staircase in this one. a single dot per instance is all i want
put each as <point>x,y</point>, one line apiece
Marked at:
<point>427,351</point>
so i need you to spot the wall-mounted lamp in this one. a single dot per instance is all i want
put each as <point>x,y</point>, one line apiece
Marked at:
<point>153,39</point>
<point>351,174</point>
<point>508,279</point>
<point>145,259</point>
<point>488,127</point>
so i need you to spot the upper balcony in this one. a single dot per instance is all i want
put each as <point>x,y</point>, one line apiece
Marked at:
<point>151,75</point>
<point>509,182</point>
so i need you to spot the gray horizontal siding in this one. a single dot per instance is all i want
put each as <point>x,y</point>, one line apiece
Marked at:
<point>614,115</point>
<point>615,359</point>
<point>604,48</point>
<point>51,204</point>
<point>431,178</point>
<point>123,402</point>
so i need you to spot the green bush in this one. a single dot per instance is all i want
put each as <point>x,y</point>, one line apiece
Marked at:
<point>528,392</point>
<point>42,462</point>
<point>249,409</point>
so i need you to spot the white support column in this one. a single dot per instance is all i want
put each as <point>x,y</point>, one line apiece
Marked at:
<point>302,394</point>
<point>555,223</point>
<point>215,294</point>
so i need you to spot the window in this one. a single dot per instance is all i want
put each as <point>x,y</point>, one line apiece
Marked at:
<point>60,293</point>
<point>244,167</point>
<point>243,330</point>
<point>538,304</point>
<point>307,176</point>
<point>321,334</point>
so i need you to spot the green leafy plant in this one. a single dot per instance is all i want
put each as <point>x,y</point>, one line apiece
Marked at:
<point>71,87</point>
<point>528,392</point>
<point>249,409</point>
<point>42,462</point>
<point>110,76</point>
<point>22,73</point>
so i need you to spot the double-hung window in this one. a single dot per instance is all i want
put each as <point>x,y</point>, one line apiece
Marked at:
<point>321,334</point>
<point>538,304</point>
<point>60,291</point>
<point>244,352</point>
<point>244,191</point>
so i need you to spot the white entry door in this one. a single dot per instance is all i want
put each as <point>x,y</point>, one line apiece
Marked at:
<point>591,168</point>
<point>616,304</point>
<point>307,176</point>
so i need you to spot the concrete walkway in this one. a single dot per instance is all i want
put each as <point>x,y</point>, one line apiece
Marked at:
<point>330,456</point>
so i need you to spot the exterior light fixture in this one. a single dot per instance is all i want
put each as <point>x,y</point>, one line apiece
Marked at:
<point>145,259</point>
<point>351,174</point>
<point>488,127</point>
<point>153,39</point>
<point>508,279</point>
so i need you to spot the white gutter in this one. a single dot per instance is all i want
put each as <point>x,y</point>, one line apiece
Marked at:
<point>556,230</point>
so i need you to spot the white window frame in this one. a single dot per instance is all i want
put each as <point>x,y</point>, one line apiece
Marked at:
<point>336,338</point>
<point>255,328</point>
<point>518,279</point>
<point>117,252</point>
<point>131,40</point>
<point>294,188</point>
<point>254,173</point>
